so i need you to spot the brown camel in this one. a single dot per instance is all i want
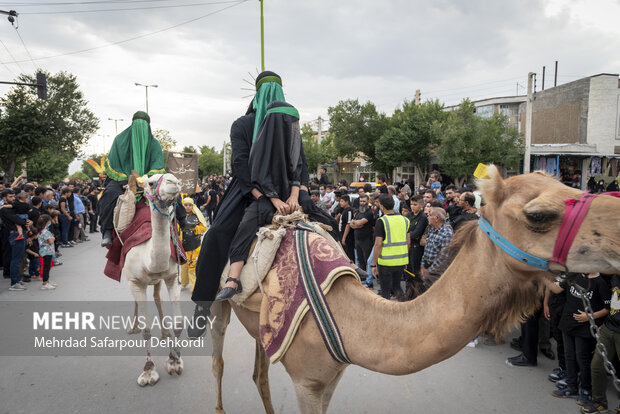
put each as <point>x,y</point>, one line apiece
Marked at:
<point>483,290</point>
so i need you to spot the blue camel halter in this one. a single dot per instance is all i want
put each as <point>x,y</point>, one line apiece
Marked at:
<point>574,215</point>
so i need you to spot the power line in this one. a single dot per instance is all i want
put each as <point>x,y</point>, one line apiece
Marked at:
<point>132,38</point>
<point>12,57</point>
<point>27,51</point>
<point>72,3</point>
<point>133,8</point>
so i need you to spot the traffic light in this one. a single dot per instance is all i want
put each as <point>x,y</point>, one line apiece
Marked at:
<point>41,85</point>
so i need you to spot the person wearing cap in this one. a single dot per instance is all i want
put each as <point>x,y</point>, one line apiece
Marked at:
<point>133,149</point>
<point>192,228</point>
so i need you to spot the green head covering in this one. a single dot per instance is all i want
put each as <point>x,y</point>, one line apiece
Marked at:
<point>268,89</point>
<point>135,149</point>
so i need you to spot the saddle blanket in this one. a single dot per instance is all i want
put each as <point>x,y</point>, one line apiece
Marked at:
<point>263,252</point>
<point>285,305</point>
<point>138,232</point>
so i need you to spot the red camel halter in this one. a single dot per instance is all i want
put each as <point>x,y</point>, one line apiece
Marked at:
<point>574,215</point>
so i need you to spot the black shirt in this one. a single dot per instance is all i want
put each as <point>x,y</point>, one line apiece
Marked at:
<point>213,202</point>
<point>365,232</point>
<point>418,226</point>
<point>93,201</point>
<point>462,218</point>
<point>345,218</point>
<point>598,293</point>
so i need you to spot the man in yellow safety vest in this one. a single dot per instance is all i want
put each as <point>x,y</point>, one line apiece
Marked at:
<point>391,249</point>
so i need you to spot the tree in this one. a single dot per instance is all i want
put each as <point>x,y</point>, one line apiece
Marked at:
<point>165,139</point>
<point>410,137</point>
<point>28,126</point>
<point>190,149</point>
<point>209,161</point>
<point>48,166</point>
<point>356,128</point>
<point>316,154</point>
<point>466,140</point>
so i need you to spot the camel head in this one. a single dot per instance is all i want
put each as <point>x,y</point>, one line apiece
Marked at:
<point>165,188</point>
<point>528,211</point>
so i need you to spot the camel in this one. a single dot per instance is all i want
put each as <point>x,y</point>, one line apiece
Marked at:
<point>483,290</point>
<point>151,263</point>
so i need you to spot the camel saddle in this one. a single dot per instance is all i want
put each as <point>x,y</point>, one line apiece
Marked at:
<point>262,255</point>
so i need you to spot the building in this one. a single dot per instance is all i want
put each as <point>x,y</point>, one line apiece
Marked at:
<point>576,130</point>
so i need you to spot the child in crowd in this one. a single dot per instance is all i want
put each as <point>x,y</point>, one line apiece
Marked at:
<point>434,182</point>
<point>32,249</point>
<point>21,208</point>
<point>578,341</point>
<point>46,250</point>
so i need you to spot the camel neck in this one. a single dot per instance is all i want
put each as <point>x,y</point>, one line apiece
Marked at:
<point>160,239</point>
<point>404,337</point>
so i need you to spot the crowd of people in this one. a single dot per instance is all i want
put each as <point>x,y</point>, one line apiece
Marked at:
<point>37,222</point>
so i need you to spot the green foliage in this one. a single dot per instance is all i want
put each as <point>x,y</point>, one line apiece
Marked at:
<point>210,161</point>
<point>165,139</point>
<point>410,137</point>
<point>356,128</point>
<point>317,154</point>
<point>79,175</point>
<point>48,166</point>
<point>29,126</point>
<point>466,140</point>
<point>190,149</point>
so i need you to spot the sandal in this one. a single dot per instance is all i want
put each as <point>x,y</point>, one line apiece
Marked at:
<point>228,292</point>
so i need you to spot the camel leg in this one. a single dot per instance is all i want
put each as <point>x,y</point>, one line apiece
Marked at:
<point>165,333</point>
<point>221,312</point>
<point>329,390</point>
<point>149,375</point>
<point>133,328</point>
<point>174,363</point>
<point>261,377</point>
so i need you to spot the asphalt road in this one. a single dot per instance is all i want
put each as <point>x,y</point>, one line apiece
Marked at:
<point>476,380</point>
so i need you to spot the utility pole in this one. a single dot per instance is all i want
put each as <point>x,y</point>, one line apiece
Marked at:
<point>262,38</point>
<point>417,97</point>
<point>319,136</point>
<point>528,123</point>
<point>115,124</point>
<point>146,87</point>
<point>224,159</point>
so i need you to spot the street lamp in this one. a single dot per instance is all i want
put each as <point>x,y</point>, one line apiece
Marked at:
<point>146,87</point>
<point>115,123</point>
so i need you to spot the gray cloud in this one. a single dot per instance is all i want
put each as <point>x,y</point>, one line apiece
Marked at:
<point>325,51</point>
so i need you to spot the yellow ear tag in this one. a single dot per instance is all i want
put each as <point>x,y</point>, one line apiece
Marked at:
<point>140,180</point>
<point>481,171</point>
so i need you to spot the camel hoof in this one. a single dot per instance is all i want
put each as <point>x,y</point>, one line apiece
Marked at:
<point>219,411</point>
<point>149,377</point>
<point>174,366</point>
<point>133,330</point>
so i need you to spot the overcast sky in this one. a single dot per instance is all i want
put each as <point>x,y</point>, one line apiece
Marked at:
<point>325,51</point>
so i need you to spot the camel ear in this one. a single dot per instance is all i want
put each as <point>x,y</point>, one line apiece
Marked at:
<point>492,187</point>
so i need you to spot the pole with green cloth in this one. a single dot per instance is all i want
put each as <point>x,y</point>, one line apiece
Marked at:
<point>262,38</point>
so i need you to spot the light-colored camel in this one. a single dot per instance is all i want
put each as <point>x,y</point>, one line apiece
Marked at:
<point>151,263</point>
<point>483,290</point>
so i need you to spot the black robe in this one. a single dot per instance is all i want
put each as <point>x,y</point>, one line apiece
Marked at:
<point>276,163</point>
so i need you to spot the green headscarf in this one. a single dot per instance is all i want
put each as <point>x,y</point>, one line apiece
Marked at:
<point>135,149</point>
<point>268,89</point>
